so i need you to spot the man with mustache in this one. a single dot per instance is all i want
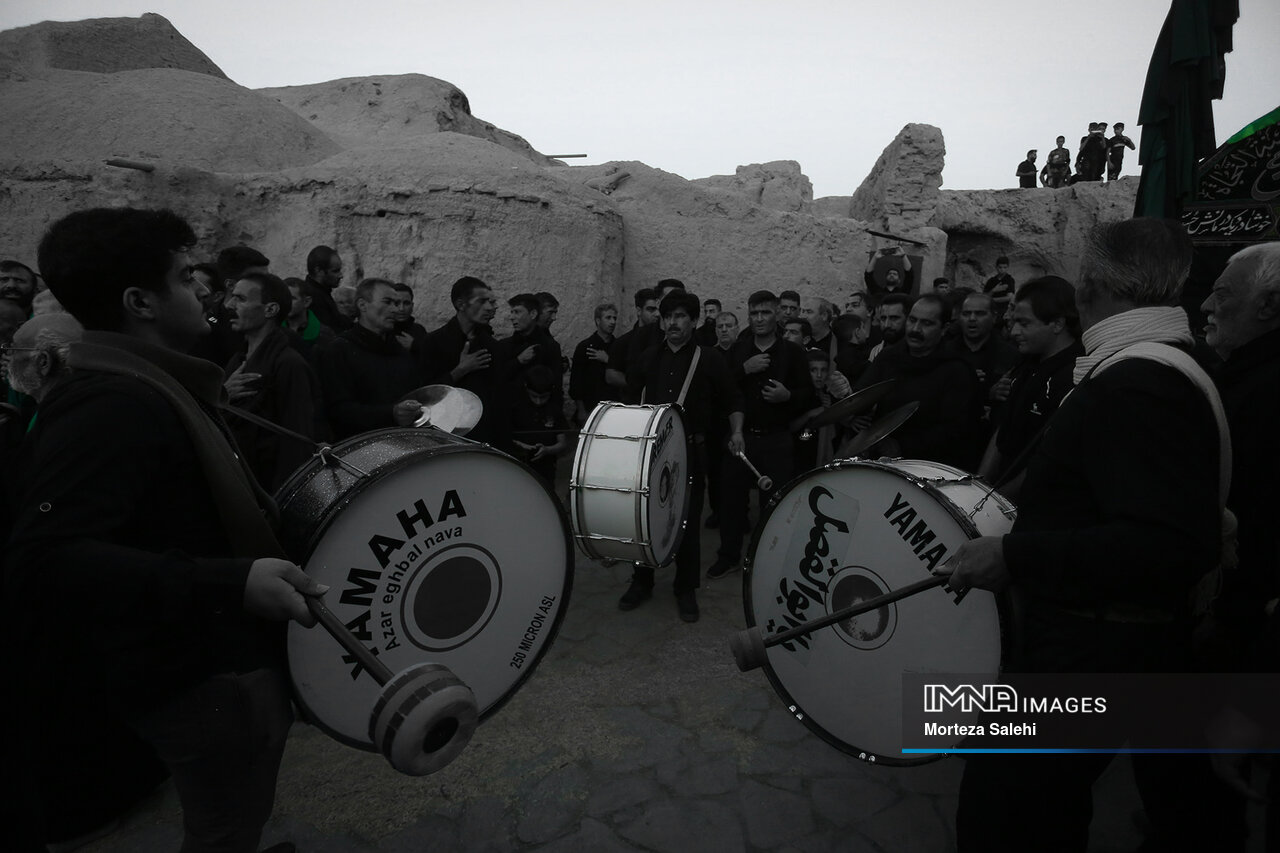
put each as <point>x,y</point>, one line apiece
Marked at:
<point>946,389</point>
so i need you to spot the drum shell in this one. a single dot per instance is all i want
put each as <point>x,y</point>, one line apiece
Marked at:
<point>847,687</point>
<point>617,490</point>
<point>320,499</point>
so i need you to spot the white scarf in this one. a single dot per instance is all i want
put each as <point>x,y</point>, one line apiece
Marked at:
<point>1139,325</point>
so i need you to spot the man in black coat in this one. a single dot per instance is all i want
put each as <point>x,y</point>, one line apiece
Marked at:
<point>137,517</point>
<point>365,371</point>
<point>1119,518</point>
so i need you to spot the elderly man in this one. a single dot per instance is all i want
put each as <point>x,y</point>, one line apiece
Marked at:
<point>31,363</point>
<point>1244,329</point>
<point>136,515</point>
<point>1119,518</point>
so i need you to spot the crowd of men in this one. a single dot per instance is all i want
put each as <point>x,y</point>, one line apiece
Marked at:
<point>135,489</point>
<point>1096,153</point>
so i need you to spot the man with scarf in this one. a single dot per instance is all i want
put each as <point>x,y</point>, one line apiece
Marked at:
<point>140,522</point>
<point>1119,518</point>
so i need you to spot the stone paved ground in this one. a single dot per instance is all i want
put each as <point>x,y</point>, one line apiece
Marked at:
<point>637,732</point>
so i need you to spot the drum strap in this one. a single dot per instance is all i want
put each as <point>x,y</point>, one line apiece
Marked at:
<point>688,378</point>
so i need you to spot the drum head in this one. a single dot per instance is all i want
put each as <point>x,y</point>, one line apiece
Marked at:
<point>459,557</point>
<point>668,483</point>
<point>845,533</point>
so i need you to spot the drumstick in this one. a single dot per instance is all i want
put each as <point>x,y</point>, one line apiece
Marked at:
<point>762,481</point>
<point>347,640</point>
<point>748,646</point>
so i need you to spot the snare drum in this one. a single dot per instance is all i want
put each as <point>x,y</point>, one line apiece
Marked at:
<point>852,531</point>
<point>437,550</point>
<point>630,487</point>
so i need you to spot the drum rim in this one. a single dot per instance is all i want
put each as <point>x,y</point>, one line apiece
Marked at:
<point>642,518</point>
<point>1002,601</point>
<point>389,468</point>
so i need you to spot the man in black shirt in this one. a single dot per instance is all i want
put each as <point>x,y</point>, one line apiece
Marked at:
<point>1115,151</point>
<point>464,353</point>
<point>324,273</point>
<point>1000,287</point>
<point>773,377</point>
<point>646,301</point>
<point>706,333</point>
<point>587,386</point>
<point>1027,171</point>
<point>711,397</point>
<point>1046,329</point>
<point>530,342</point>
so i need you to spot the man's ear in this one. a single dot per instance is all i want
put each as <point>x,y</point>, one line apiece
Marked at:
<point>1269,305</point>
<point>271,309</point>
<point>139,303</point>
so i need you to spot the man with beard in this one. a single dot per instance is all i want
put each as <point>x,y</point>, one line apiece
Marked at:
<point>942,427</point>
<point>587,386</point>
<point>1244,330</point>
<point>706,333</point>
<point>464,353</point>
<point>268,378</point>
<point>678,370</point>
<point>1046,330</point>
<point>1026,174</point>
<point>892,314</point>
<point>772,376</point>
<point>646,302</point>
<point>324,273</point>
<point>896,279</point>
<point>365,371</point>
<point>17,283</point>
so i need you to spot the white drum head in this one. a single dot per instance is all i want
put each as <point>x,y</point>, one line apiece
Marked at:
<point>668,482</point>
<point>846,533</point>
<point>477,582</point>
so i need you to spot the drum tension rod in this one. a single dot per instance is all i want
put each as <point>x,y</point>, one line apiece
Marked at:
<point>748,646</point>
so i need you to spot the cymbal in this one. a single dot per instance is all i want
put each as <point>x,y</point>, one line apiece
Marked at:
<point>855,404</point>
<point>454,410</point>
<point>878,430</point>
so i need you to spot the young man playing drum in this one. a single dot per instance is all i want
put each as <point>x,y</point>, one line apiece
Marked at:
<point>139,521</point>
<point>677,370</point>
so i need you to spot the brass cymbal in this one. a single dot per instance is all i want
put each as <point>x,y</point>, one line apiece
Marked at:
<point>877,431</point>
<point>855,404</point>
<point>454,410</point>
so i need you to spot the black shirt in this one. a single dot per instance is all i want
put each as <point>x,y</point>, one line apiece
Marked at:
<point>712,395</point>
<point>586,375</point>
<point>787,364</point>
<point>1035,395</point>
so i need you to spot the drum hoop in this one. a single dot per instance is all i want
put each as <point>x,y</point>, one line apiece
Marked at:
<point>677,411</point>
<point>358,487</point>
<point>1003,602</point>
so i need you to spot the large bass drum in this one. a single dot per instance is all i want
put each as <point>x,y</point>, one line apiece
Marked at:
<point>630,486</point>
<point>851,531</point>
<point>437,550</point>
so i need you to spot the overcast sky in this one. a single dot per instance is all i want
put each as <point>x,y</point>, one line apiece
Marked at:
<point>698,87</point>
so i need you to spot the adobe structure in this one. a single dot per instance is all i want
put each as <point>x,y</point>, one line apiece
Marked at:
<point>399,175</point>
